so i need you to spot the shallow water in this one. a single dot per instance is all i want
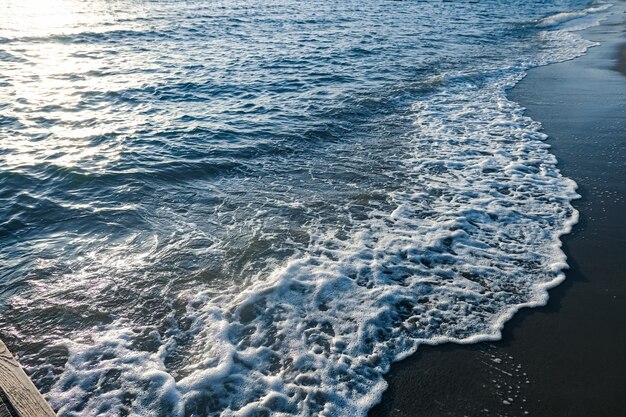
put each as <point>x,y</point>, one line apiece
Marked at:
<point>253,208</point>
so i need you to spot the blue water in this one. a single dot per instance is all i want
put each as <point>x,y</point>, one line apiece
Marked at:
<point>252,208</point>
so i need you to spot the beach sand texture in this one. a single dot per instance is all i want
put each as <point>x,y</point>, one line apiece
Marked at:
<point>565,359</point>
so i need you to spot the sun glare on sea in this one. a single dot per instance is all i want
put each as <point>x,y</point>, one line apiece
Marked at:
<point>46,92</point>
<point>37,17</point>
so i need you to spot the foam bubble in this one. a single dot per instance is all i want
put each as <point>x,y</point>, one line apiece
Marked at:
<point>474,238</point>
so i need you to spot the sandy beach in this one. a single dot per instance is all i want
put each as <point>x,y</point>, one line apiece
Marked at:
<point>252,208</point>
<point>567,358</point>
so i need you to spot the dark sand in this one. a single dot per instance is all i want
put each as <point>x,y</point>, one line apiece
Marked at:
<point>568,358</point>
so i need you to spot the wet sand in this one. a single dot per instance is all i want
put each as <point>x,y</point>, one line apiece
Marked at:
<point>569,357</point>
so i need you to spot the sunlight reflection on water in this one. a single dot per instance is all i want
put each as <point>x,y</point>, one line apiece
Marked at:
<point>157,158</point>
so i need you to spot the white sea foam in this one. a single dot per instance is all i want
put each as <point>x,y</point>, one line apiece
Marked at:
<point>474,237</point>
<point>563,17</point>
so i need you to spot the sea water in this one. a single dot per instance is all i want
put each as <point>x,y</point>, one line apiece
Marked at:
<point>252,208</point>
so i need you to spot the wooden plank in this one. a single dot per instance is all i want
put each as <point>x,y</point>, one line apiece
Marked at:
<point>19,397</point>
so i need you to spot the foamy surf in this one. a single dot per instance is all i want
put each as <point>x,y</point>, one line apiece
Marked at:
<point>569,16</point>
<point>472,237</point>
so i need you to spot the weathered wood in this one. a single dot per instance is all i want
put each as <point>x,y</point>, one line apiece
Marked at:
<point>18,396</point>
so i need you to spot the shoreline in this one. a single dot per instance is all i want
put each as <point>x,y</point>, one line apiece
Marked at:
<point>562,359</point>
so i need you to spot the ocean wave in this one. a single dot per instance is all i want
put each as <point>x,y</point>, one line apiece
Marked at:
<point>474,237</point>
<point>563,17</point>
<point>468,233</point>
